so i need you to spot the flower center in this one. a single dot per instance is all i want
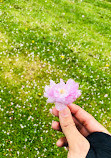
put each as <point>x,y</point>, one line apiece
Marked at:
<point>62,91</point>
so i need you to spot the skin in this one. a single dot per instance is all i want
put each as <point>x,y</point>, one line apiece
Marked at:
<point>76,124</point>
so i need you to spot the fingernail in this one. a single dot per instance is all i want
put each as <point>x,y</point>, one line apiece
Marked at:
<point>64,113</point>
<point>52,123</point>
<point>58,143</point>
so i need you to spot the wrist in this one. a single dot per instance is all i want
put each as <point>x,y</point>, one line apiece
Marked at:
<point>81,150</point>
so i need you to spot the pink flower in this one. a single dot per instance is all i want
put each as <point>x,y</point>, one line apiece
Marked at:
<point>62,94</point>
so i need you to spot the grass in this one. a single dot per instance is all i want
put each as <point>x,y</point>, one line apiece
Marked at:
<point>43,40</point>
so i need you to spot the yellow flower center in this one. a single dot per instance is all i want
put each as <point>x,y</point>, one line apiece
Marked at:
<point>62,91</point>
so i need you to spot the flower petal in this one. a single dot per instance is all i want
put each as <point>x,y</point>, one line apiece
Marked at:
<point>50,100</point>
<point>52,83</point>
<point>60,106</point>
<point>47,88</point>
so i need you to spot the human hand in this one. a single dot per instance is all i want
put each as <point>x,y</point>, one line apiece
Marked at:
<point>76,124</point>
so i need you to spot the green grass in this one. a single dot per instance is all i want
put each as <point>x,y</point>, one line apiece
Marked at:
<point>34,34</point>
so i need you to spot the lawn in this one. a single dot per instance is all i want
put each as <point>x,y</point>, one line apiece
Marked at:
<point>43,40</point>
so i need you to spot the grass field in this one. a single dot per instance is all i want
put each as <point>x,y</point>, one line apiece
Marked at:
<point>43,40</point>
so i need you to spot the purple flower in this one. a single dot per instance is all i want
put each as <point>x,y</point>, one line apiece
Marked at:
<point>62,94</point>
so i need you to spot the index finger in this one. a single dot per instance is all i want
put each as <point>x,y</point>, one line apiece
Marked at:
<point>86,119</point>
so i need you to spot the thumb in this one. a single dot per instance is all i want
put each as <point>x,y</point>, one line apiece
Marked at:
<point>68,127</point>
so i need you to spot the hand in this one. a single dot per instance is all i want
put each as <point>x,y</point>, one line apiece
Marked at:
<point>76,124</point>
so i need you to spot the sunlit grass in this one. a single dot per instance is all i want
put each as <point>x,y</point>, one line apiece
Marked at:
<point>50,39</point>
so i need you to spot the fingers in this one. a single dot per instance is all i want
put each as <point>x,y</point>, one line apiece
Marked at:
<point>79,126</point>
<point>56,126</point>
<point>73,139</point>
<point>87,120</point>
<point>68,127</point>
<point>55,112</point>
<point>62,142</point>
<point>81,129</point>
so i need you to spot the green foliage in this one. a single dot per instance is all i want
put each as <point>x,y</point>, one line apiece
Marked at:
<point>43,40</point>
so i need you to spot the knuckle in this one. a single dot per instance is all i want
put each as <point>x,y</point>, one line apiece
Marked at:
<point>88,121</point>
<point>68,124</point>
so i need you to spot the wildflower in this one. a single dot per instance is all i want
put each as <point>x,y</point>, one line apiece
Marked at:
<point>33,41</point>
<point>39,94</point>
<point>62,94</point>
<point>62,56</point>
<point>107,65</point>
